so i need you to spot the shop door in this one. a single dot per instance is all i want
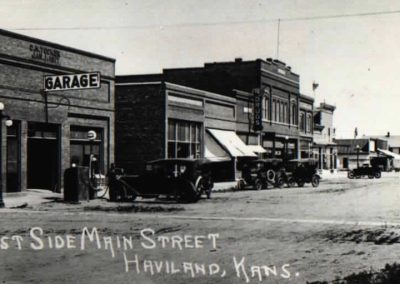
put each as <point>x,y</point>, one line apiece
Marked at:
<point>43,159</point>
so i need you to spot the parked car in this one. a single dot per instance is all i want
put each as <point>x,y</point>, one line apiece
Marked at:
<point>184,179</point>
<point>365,170</point>
<point>301,171</point>
<point>261,173</point>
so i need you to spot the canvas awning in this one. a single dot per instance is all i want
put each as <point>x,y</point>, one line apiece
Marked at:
<point>232,143</point>
<point>213,151</point>
<point>257,148</point>
<point>389,154</point>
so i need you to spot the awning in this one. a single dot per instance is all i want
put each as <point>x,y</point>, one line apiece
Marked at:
<point>213,151</point>
<point>389,153</point>
<point>232,143</point>
<point>256,148</point>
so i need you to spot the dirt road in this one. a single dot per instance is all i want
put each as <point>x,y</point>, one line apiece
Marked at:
<point>272,236</point>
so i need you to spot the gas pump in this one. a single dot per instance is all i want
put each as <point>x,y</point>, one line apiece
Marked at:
<point>97,180</point>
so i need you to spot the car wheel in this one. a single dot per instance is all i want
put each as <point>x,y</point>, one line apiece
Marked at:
<point>300,183</point>
<point>258,184</point>
<point>291,182</point>
<point>315,181</point>
<point>371,176</point>
<point>350,174</point>
<point>280,183</point>
<point>378,175</point>
<point>187,192</point>
<point>200,186</point>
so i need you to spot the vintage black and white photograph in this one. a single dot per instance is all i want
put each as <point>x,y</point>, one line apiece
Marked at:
<point>184,141</point>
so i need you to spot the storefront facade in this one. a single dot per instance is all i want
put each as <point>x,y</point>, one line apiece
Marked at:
<point>268,100</point>
<point>324,147</point>
<point>49,131</point>
<point>158,120</point>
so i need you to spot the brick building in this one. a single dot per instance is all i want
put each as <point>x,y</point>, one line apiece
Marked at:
<point>156,120</point>
<point>277,130</point>
<point>49,130</point>
<point>253,104</point>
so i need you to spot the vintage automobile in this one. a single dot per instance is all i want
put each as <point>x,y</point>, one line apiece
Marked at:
<point>183,179</point>
<point>261,173</point>
<point>301,171</point>
<point>365,170</point>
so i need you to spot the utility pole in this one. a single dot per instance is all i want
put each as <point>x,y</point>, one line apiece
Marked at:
<point>277,41</point>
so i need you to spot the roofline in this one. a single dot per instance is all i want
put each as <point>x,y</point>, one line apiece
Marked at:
<point>308,98</point>
<point>56,45</point>
<point>200,91</point>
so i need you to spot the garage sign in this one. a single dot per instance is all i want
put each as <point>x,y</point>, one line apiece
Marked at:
<point>72,82</point>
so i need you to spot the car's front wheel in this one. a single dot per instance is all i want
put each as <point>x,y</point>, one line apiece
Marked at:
<point>315,181</point>
<point>258,184</point>
<point>378,175</point>
<point>350,174</point>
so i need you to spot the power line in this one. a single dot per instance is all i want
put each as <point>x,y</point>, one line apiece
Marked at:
<point>199,24</point>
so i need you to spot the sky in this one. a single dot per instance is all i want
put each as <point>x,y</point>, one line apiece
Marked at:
<point>354,59</point>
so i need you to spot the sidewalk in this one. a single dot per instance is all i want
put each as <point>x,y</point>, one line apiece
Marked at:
<point>30,197</point>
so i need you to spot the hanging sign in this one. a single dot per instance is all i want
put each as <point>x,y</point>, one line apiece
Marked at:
<point>257,110</point>
<point>72,82</point>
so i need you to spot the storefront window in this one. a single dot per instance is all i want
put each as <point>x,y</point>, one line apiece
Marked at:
<point>184,139</point>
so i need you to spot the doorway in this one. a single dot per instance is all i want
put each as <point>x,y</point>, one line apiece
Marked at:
<point>43,157</point>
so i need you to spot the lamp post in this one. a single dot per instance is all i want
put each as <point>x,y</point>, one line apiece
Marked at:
<point>8,122</point>
<point>286,148</point>
<point>358,154</point>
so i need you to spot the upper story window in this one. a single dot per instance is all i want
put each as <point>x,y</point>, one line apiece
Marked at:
<point>302,121</point>
<point>265,108</point>
<point>309,123</point>
<point>293,113</point>
<point>279,111</point>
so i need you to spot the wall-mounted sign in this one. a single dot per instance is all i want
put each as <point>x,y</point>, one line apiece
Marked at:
<point>45,54</point>
<point>72,82</point>
<point>257,110</point>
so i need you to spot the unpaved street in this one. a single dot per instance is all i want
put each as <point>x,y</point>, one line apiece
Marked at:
<point>271,236</point>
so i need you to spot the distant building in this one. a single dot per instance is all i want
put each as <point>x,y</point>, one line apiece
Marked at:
<point>324,147</point>
<point>359,151</point>
<point>393,142</point>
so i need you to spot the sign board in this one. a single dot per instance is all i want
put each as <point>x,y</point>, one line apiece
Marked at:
<point>257,110</point>
<point>72,82</point>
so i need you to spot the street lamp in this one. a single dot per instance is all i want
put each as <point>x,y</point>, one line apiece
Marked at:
<point>286,148</point>
<point>358,154</point>
<point>8,122</point>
